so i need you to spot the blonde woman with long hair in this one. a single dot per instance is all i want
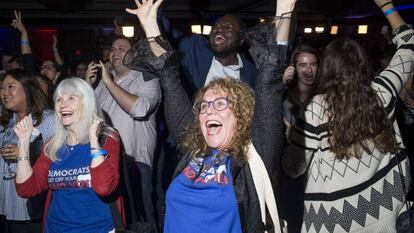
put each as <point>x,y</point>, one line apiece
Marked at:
<point>78,166</point>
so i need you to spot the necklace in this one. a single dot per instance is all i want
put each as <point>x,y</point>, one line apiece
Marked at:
<point>71,146</point>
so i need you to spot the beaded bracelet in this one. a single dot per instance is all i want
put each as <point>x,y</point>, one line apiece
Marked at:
<point>98,153</point>
<point>389,11</point>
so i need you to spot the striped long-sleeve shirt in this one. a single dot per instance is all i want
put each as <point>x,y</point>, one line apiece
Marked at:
<point>11,205</point>
<point>365,194</point>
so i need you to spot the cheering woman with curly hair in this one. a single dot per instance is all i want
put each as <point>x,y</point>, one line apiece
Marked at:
<point>214,187</point>
<point>348,141</point>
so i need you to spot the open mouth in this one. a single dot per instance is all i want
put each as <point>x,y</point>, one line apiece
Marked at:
<point>213,127</point>
<point>219,39</point>
<point>115,58</point>
<point>309,76</point>
<point>66,114</point>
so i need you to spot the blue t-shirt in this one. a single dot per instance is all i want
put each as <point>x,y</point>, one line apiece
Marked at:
<point>75,207</point>
<point>201,198</point>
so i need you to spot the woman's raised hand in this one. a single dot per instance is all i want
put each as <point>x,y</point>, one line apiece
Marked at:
<point>289,74</point>
<point>94,129</point>
<point>17,22</point>
<point>147,15</point>
<point>24,128</point>
<point>146,11</point>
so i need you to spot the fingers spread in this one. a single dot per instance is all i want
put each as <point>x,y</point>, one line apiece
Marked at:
<point>158,3</point>
<point>131,11</point>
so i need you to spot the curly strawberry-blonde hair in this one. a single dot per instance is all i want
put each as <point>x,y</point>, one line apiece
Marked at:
<point>241,100</point>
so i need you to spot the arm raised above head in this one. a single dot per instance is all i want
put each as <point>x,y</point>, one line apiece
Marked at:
<point>164,64</point>
<point>24,38</point>
<point>390,13</point>
<point>147,15</point>
<point>284,9</point>
<point>268,130</point>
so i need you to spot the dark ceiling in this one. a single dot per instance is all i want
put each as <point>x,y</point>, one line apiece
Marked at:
<point>104,11</point>
<point>79,19</point>
<point>101,12</point>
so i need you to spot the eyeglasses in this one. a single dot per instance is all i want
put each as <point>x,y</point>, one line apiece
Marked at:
<point>219,104</point>
<point>47,67</point>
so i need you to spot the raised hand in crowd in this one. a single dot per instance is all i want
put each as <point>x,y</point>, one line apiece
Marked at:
<point>93,137</point>
<point>147,15</point>
<point>289,74</point>
<point>24,38</point>
<point>284,9</point>
<point>56,55</point>
<point>17,22</point>
<point>55,42</point>
<point>118,29</point>
<point>24,130</point>
<point>394,20</point>
<point>106,75</point>
<point>91,73</point>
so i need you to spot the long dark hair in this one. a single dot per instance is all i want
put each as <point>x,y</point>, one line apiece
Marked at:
<point>357,119</point>
<point>35,98</point>
<point>294,94</point>
<point>50,89</point>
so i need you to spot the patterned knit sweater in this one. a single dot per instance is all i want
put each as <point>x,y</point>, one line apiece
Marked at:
<point>355,195</point>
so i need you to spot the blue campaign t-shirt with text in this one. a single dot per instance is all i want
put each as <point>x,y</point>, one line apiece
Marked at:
<point>75,207</point>
<point>201,198</point>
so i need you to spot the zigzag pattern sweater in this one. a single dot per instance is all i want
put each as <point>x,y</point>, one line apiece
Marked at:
<point>355,195</point>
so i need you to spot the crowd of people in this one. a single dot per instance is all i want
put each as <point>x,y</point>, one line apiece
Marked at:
<point>80,149</point>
